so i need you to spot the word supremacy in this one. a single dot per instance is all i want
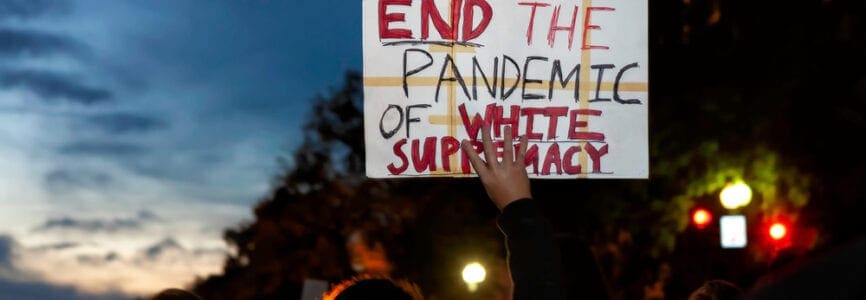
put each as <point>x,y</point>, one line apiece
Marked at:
<point>570,76</point>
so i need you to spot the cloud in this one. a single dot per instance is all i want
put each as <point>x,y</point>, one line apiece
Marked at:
<point>15,42</point>
<point>167,245</point>
<point>16,284</point>
<point>6,244</point>
<point>26,9</point>
<point>57,246</point>
<point>224,106</point>
<point>123,123</point>
<point>94,225</point>
<point>141,219</point>
<point>54,86</point>
<point>64,180</point>
<point>97,260</point>
<point>102,149</point>
<point>43,291</point>
<point>147,215</point>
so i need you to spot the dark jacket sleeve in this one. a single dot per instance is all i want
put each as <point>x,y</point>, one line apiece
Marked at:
<point>533,258</point>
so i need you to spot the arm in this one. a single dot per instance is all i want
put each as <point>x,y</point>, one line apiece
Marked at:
<point>533,258</point>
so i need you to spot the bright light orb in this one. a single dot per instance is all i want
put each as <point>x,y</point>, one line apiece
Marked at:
<point>778,231</point>
<point>473,274</point>
<point>736,195</point>
<point>702,218</point>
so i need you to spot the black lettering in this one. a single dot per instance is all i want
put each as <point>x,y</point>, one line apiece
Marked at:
<point>616,96</point>
<point>557,71</point>
<point>410,119</point>
<point>505,94</point>
<point>406,73</point>
<point>527,80</point>
<point>389,134</point>
<point>490,89</point>
<point>600,69</point>
<point>457,77</point>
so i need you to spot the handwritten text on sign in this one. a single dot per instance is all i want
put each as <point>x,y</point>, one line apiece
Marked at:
<point>569,75</point>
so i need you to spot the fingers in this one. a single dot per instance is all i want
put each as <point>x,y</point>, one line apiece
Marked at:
<point>508,155</point>
<point>477,164</point>
<point>489,151</point>
<point>521,153</point>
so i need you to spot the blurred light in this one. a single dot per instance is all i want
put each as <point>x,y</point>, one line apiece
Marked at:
<point>736,195</point>
<point>473,274</point>
<point>733,231</point>
<point>702,218</point>
<point>778,231</point>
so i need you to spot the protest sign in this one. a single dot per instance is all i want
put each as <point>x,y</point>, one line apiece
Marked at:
<point>572,76</point>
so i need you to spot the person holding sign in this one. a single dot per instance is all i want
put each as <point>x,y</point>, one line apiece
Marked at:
<point>533,258</point>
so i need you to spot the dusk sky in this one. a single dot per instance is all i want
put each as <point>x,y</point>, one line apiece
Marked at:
<point>132,133</point>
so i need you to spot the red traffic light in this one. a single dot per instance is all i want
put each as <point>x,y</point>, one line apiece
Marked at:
<point>778,231</point>
<point>702,217</point>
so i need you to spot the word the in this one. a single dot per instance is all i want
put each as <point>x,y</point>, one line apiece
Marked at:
<point>556,27</point>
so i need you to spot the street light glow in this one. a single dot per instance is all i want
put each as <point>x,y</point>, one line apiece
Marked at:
<point>473,274</point>
<point>736,195</point>
<point>702,218</point>
<point>778,231</point>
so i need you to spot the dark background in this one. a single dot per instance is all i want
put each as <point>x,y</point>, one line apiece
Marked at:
<point>769,92</point>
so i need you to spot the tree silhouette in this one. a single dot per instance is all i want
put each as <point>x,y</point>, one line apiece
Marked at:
<point>323,205</point>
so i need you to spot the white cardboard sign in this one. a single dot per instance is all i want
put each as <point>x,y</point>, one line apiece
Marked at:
<point>572,76</point>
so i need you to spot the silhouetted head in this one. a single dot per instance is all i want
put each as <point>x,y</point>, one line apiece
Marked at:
<point>175,294</point>
<point>380,288</point>
<point>717,290</point>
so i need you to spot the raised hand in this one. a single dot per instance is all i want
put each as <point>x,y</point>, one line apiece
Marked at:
<point>504,181</point>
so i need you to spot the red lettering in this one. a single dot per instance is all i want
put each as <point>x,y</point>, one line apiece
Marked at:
<point>427,160</point>
<point>464,158</point>
<point>530,113</point>
<point>554,27</point>
<point>575,134</point>
<point>472,127</point>
<point>450,145</point>
<point>554,113</point>
<point>535,6</point>
<point>404,162</point>
<point>429,12</point>
<point>587,26</point>
<point>469,18</point>
<point>595,155</point>
<point>499,120</point>
<point>385,19</point>
<point>552,159</point>
<point>568,160</point>
<point>424,156</point>
<point>531,158</point>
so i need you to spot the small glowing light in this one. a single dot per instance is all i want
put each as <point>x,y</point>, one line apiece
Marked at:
<point>736,195</point>
<point>778,231</point>
<point>473,274</point>
<point>733,231</point>
<point>702,218</point>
